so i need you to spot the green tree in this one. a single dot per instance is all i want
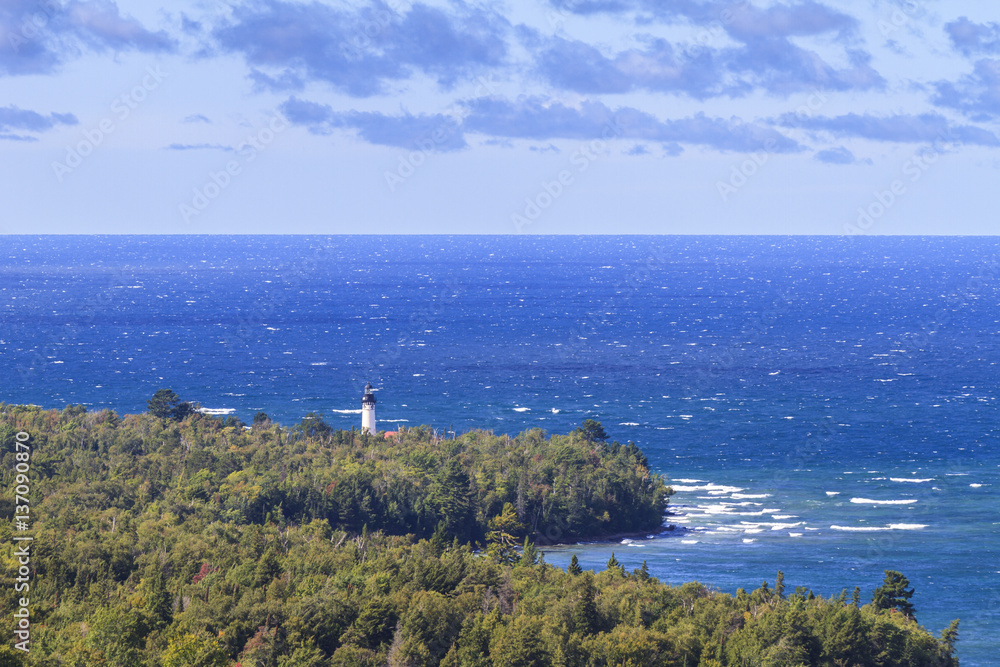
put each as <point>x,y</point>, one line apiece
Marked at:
<point>585,618</point>
<point>519,644</point>
<point>453,498</point>
<point>117,633</point>
<point>592,431</point>
<point>529,554</point>
<point>949,636</point>
<point>157,601</point>
<point>779,585</point>
<point>165,404</point>
<point>501,540</point>
<point>261,419</point>
<point>190,650</point>
<point>894,594</point>
<point>614,565</point>
<point>314,426</point>
<point>574,566</point>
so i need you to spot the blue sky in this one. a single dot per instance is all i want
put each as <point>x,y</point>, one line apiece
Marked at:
<point>559,117</point>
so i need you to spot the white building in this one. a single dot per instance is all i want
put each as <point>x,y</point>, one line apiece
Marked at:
<point>368,410</point>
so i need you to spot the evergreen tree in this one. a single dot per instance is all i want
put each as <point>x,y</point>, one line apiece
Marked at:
<point>529,554</point>
<point>894,594</point>
<point>779,585</point>
<point>585,618</point>
<point>453,498</point>
<point>592,431</point>
<point>574,566</point>
<point>165,404</point>
<point>613,564</point>
<point>949,636</point>
<point>501,540</point>
<point>856,597</point>
<point>261,419</point>
<point>157,600</point>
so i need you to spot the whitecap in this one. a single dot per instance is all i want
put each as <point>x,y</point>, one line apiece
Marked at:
<point>320,363</point>
<point>708,487</point>
<point>860,529</point>
<point>908,479</point>
<point>869,501</point>
<point>347,412</point>
<point>833,493</point>
<point>743,496</point>
<point>689,541</point>
<point>907,526</point>
<point>688,481</point>
<point>629,424</point>
<point>976,486</point>
<point>556,411</point>
<point>748,540</point>
<point>216,411</point>
<point>795,534</point>
<point>521,409</point>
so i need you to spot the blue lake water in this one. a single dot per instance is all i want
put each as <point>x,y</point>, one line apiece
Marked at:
<point>825,406</point>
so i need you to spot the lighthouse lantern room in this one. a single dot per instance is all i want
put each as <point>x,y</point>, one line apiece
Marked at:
<point>368,410</point>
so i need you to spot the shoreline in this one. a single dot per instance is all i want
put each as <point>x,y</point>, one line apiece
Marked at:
<point>662,531</point>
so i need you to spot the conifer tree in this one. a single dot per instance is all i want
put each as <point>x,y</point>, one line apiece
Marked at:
<point>613,563</point>
<point>949,636</point>
<point>585,618</point>
<point>894,594</point>
<point>574,566</point>
<point>529,554</point>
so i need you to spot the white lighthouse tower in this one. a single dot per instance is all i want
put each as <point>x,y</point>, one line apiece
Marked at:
<point>368,410</point>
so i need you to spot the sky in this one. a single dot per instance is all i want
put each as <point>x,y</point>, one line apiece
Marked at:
<point>867,117</point>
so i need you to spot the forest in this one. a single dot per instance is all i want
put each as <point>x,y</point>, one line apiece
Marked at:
<point>174,538</point>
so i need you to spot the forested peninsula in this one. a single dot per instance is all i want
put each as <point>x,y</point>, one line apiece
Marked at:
<point>175,538</point>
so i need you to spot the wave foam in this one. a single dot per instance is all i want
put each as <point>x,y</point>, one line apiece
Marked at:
<point>347,412</point>
<point>710,487</point>
<point>743,496</point>
<point>907,479</point>
<point>833,493</point>
<point>521,409</point>
<point>869,501</point>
